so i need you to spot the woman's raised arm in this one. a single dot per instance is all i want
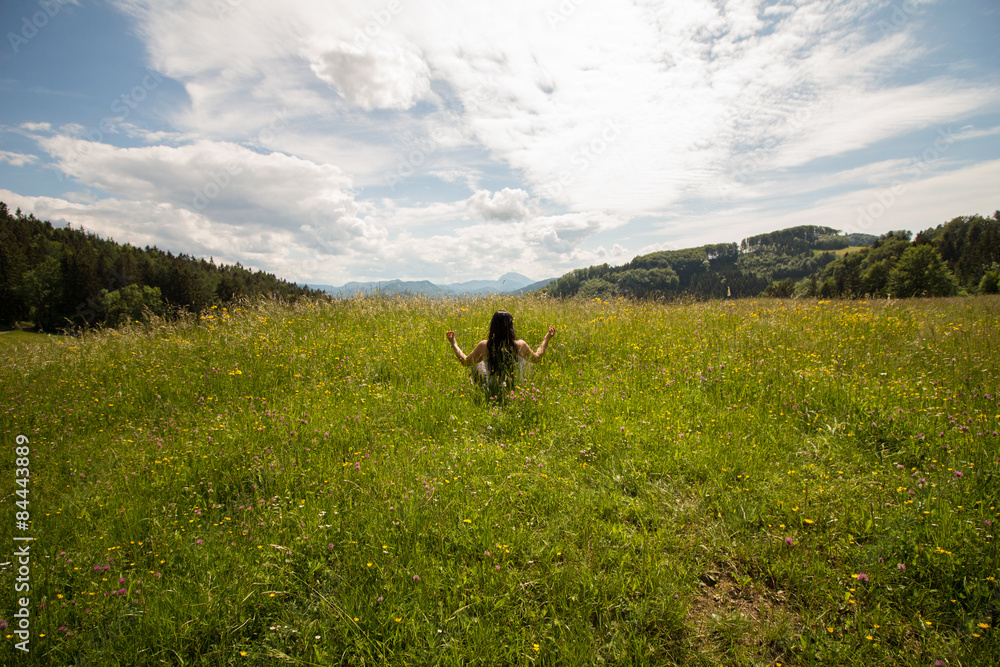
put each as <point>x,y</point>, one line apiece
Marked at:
<point>530,354</point>
<point>478,353</point>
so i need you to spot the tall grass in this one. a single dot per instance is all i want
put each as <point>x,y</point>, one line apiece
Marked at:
<point>741,483</point>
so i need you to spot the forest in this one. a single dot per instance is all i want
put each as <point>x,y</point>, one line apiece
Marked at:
<point>955,258</point>
<point>65,279</point>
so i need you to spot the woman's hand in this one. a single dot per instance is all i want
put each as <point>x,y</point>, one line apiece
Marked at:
<point>535,357</point>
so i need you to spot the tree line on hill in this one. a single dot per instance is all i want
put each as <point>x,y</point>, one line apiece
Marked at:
<point>958,257</point>
<point>64,279</point>
<point>716,270</point>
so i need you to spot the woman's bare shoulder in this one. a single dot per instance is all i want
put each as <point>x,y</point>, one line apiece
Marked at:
<point>479,352</point>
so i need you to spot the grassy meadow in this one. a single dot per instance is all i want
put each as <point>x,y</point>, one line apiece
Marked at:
<point>757,482</point>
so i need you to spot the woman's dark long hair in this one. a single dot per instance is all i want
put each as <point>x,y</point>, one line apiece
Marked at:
<point>501,347</point>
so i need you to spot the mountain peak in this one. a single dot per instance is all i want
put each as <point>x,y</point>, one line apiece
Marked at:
<point>512,280</point>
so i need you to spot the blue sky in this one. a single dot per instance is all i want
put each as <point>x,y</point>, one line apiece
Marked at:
<point>448,141</point>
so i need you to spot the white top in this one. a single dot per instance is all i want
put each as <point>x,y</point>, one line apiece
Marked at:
<point>522,369</point>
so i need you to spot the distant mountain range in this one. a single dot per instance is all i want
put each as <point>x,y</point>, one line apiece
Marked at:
<point>505,284</point>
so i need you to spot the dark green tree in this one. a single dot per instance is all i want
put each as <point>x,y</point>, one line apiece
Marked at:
<point>647,283</point>
<point>41,289</point>
<point>132,303</point>
<point>990,282</point>
<point>782,289</point>
<point>596,288</point>
<point>921,272</point>
<point>969,244</point>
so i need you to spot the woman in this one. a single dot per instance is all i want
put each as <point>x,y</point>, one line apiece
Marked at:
<point>501,355</point>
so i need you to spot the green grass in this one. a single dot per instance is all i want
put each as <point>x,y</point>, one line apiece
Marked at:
<point>10,340</point>
<point>740,483</point>
<point>842,251</point>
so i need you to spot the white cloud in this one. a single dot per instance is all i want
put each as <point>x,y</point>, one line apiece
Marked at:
<point>506,204</point>
<point>468,175</point>
<point>545,246</point>
<point>855,121</point>
<point>36,127</point>
<point>386,75</point>
<point>217,197</point>
<point>232,182</point>
<point>972,132</point>
<point>563,234</point>
<point>17,159</point>
<point>625,108</point>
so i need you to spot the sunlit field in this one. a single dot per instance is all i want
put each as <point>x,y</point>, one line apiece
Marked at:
<point>739,483</point>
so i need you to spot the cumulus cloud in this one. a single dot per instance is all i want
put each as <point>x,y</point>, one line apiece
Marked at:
<point>506,204</point>
<point>386,75</point>
<point>432,242</point>
<point>215,196</point>
<point>564,234</point>
<point>229,180</point>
